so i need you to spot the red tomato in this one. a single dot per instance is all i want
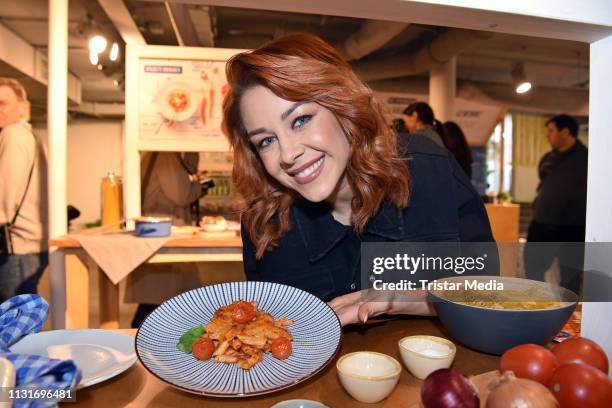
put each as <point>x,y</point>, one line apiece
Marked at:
<point>529,361</point>
<point>581,386</point>
<point>203,348</point>
<point>581,350</point>
<point>243,312</point>
<point>281,348</point>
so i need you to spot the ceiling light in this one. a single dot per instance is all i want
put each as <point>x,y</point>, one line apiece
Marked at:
<point>93,58</point>
<point>114,52</point>
<point>523,87</point>
<point>519,79</point>
<point>97,44</point>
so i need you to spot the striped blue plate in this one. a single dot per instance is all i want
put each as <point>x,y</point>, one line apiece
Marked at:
<point>316,340</point>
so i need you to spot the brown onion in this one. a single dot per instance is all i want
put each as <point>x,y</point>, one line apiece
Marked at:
<point>512,392</point>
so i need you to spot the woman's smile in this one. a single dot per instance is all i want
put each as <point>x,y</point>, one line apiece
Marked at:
<point>310,171</point>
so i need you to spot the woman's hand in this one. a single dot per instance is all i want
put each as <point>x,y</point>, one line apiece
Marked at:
<point>358,307</point>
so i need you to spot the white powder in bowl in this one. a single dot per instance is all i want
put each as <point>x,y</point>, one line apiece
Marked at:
<point>433,352</point>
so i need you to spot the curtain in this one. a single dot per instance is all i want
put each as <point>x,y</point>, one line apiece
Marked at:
<point>529,139</point>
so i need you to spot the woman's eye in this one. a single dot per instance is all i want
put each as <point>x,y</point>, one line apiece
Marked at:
<point>265,142</point>
<point>301,121</point>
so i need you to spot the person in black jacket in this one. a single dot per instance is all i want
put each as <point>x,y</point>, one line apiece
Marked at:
<point>559,209</point>
<point>320,172</point>
<point>455,141</point>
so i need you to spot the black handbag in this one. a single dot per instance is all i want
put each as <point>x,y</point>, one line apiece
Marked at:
<point>6,243</point>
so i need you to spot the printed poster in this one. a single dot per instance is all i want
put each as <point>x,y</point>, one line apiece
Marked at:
<point>181,99</point>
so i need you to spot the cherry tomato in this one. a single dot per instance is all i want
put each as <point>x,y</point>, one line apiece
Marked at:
<point>203,348</point>
<point>581,350</point>
<point>529,361</point>
<point>581,386</point>
<point>243,312</point>
<point>281,348</point>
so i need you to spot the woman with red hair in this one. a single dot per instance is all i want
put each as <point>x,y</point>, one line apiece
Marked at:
<point>319,171</point>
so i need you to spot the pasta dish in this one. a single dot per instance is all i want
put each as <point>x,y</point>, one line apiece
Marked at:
<point>239,333</point>
<point>178,100</point>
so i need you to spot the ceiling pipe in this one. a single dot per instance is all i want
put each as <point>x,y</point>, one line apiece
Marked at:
<point>100,109</point>
<point>372,35</point>
<point>540,100</point>
<point>118,13</point>
<point>18,54</point>
<point>182,25</point>
<point>204,23</point>
<point>439,51</point>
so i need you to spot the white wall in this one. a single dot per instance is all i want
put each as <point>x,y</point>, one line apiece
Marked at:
<point>94,149</point>
<point>596,323</point>
<point>595,12</point>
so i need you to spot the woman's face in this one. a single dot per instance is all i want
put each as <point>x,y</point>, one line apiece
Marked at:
<point>301,144</point>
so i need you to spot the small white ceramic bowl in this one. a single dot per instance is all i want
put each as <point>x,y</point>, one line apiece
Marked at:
<point>213,224</point>
<point>368,376</point>
<point>299,403</point>
<point>423,355</point>
<point>214,227</point>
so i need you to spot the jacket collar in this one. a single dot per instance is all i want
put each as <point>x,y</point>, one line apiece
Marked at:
<point>388,222</point>
<point>321,232</point>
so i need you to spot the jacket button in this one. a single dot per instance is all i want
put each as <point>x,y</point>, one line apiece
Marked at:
<point>353,286</point>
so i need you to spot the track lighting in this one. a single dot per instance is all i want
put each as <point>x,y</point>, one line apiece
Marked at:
<point>519,79</point>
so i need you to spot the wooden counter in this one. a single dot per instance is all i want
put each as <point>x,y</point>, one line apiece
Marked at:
<point>138,388</point>
<point>195,241</point>
<point>505,221</point>
<point>179,248</point>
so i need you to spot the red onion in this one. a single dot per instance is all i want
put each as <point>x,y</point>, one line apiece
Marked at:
<point>446,388</point>
<point>509,392</point>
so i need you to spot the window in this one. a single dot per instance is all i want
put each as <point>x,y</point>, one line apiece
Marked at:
<point>499,169</point>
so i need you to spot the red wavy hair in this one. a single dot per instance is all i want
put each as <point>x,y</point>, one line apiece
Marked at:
<point>300,67</point>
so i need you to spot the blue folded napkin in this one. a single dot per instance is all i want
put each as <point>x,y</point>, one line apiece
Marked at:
<point>20,316</point>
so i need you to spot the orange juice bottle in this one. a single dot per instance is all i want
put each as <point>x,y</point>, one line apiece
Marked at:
<point>112,200</point>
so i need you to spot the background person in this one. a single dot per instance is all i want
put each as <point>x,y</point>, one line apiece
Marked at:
<point>420,120</point>
<point>455,141</point>
<point>21,194</point>
<point>559,209</point>
<point>170,183</point>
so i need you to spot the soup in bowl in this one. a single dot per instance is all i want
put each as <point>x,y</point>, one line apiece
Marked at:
<point>494,313</point>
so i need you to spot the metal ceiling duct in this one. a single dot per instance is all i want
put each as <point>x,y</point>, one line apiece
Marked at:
<point>372,35</point>
<point>541,100</point>
<point>439,51</point>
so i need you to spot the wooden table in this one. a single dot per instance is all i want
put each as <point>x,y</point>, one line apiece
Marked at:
<point>182,248</point>
<point>137,388</point>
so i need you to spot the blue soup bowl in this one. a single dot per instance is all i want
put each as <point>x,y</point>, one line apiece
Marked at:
<point>495,330</point>
<point>153,226</point>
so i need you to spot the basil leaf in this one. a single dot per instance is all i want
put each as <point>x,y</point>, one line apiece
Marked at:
<point>186,340</point>
<point>196,331</point>
<point>184,348</point>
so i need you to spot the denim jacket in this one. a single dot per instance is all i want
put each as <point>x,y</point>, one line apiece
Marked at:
<point>322,256</point>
